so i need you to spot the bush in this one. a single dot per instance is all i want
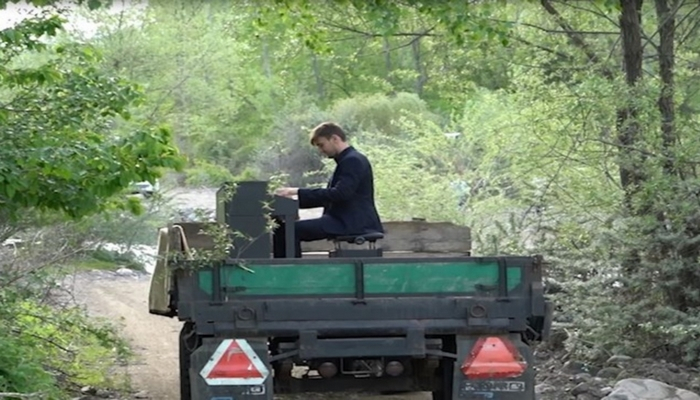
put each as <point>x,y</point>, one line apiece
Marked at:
<point>413,175</point>
<point>380,113</point>
<point>53,351</point>
<point>50,346</point>
<point>289,152</point>
<point>119,227</point>
<point>206,174</point>
<point>102,258</point>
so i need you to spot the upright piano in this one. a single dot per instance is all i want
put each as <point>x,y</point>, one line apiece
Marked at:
<point>244,208</point>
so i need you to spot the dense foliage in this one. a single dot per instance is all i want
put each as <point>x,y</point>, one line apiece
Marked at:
<point>70,149</point>
<point>556,149</point>
<point>567,129</point>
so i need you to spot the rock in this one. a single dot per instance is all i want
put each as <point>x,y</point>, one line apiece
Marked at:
<point>581,388</point>
<point>125,272</point>
<point>587,396</point>
<point>673,368</point>
<point>582,377</point>
<point>573,367</point>
<point>648,389</point>
<point>557,338</point>
<point>87,390</point>
<point>103,394</point>
<point>142,395</point>
<point>544,388</point>
<point>656,370</point>
<point>619,358</point>
<point>695,384</point>
<point>609,372</point>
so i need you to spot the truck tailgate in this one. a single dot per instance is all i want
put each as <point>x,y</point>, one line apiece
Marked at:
<point>463,276</point>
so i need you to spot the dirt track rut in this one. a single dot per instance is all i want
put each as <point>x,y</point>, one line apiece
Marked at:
<point>124,300</point>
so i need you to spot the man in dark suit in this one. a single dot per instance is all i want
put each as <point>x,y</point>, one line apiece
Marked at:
<point>348,200</point>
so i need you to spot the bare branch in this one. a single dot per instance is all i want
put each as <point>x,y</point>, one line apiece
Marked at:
<point>426,32</point>
<point>576,38</point>
<point>564,31</point>
<point>540,47</point>
<point>693,28</point>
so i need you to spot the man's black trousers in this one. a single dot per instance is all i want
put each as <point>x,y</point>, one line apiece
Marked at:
<point>307,230</point>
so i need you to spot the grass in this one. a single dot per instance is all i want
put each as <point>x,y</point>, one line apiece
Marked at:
<point>105,260</point>
<point>90,264</point>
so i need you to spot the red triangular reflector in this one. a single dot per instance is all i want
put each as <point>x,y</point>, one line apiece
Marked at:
<point>234,363</point>
<point>493,357</point>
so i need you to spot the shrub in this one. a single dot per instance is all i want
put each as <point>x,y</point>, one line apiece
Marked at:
<point>206,174</point>
<point>50,345</point>
<point>288,151</point>
<point>380,113</point>
<point>53,351</point>
<point>413,175</point>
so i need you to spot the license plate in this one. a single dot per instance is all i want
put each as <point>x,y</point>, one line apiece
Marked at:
<point>493,386</point>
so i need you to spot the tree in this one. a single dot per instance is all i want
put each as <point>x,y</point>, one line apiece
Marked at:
<point>603,153</point>
<point>69,142</point>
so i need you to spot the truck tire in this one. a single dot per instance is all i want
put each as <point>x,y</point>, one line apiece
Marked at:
<point>188,343</point>
<point>446,378</point>
<point>445,370</point>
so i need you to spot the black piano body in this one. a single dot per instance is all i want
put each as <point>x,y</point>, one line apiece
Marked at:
<point>246,208</point>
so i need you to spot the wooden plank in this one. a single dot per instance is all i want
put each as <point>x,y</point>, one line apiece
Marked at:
<point>413,236</point>
<point>392,254</point>
<point>400,236</point>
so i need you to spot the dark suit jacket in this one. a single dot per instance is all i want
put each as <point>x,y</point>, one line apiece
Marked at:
<point>348,200</point>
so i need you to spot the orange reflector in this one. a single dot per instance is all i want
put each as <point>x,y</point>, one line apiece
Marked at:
<point>493,357</point>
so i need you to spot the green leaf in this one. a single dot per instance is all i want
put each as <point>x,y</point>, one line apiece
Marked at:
<point>94,4</point>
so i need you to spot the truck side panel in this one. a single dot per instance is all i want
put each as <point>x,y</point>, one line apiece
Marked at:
<point>381,277</point>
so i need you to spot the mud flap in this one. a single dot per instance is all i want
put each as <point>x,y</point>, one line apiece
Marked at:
<point>158,295</point>
<point>521,387</point>
<point>160,298</point>
<point>231,369</point>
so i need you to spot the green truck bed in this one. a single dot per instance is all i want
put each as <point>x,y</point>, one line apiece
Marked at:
<point>381,277</point>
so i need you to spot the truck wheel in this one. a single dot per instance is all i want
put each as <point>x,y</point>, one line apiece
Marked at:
<point>446,378</point>
<point>188,343</point>
<point>445,370</point>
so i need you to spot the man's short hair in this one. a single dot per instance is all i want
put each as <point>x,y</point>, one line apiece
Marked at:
<point>327,130</point>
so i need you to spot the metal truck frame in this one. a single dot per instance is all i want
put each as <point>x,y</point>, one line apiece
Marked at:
<point>393,321</point>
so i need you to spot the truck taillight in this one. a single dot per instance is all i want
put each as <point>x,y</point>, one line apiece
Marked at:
<point>494,357</point>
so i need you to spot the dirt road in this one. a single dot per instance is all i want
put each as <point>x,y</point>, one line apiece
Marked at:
<point>123,299</point>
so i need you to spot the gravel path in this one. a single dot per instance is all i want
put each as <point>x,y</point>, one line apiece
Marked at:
<point>124,300</point>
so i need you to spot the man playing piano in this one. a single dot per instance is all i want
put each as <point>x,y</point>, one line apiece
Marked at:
<point>348,200</point>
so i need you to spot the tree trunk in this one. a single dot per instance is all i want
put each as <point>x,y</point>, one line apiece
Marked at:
<point>687,254</point>
<point>318,77</point>
<point>418,64</point>
<point>628,127</point>
<point>667,32</point>
<point>629,130</point>
<point>387,59</point>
